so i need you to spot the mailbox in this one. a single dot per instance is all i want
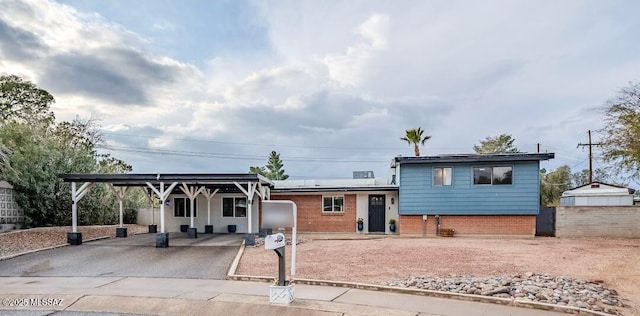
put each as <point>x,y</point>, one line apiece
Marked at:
<point>275,241</point>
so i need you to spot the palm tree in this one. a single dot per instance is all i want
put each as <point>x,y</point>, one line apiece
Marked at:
<point>414,137</point>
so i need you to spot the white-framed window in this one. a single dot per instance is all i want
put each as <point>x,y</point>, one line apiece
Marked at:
<point>442,176</point>
<point>333,204</point>
<point>234,207</point>
<point>501,175</point>
<point>182,207</point>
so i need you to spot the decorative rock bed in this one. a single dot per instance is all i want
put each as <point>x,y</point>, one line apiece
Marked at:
<point>529,286</point>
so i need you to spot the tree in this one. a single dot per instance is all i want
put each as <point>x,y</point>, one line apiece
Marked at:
<point>552,185</point>
<point>600,175</point>
<point>261,170</point>
<point>34,150</point>
<point>621,134</point>
<point>4,159</point>
<point>414,137</point>
<point>273,170</point>
<point>21,101</point>
<point>275,167</point>
<point>502,144</point>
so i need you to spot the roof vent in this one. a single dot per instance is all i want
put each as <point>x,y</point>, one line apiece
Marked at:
<point>363,175</point>
<point>595,185</point>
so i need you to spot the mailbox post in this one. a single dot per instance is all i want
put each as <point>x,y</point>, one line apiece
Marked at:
<point>277,243</point>
<point>284,292</point>
<point>281,214</point>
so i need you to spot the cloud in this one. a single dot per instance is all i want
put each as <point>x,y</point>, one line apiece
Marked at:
<point>350,68</point>
<point>18,43</point>
<point>336,84</point>
<point>81,54</point>
<point>116,75</point>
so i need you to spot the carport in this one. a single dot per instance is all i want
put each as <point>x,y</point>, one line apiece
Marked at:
<point>254,187</point>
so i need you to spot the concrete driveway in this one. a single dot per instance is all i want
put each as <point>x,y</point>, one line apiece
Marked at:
<point>207,257</point>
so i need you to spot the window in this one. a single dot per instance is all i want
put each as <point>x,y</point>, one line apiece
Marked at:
<point>333,204</point>
<point>502,175</point>
<point>234,207</point>
<point>493,175</point>
<point>442,176</point>
<point>182,207</point>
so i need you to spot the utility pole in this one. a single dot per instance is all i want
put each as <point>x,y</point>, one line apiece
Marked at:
<point>590,144</point>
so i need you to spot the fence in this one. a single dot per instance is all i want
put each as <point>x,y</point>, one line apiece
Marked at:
<point>598,221</point>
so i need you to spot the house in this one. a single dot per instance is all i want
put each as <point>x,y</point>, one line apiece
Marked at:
<point>11,216</point>
<point>471,194</point>
<point>494,194</point>
<point>335,205</point>
<point>598,194</point>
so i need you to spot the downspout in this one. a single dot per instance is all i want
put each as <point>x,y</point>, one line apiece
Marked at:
<point>437,225</point>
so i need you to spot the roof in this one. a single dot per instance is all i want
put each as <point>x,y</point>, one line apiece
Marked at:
<point>333,185</point>
<point>465,158</point>
<point>223,181</point>
<point>598,188</point>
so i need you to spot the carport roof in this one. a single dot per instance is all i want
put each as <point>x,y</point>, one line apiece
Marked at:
<point>155,178</point>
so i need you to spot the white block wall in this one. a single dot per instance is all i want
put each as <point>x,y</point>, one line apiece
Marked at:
<point>598,221</point>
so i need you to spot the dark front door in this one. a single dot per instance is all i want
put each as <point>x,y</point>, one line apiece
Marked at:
<point>376,213</point>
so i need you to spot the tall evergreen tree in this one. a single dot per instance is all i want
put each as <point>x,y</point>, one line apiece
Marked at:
<point>273,170</point>
<point>275,167</point>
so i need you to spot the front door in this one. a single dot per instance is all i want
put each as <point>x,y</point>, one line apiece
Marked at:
<point>376,213</point>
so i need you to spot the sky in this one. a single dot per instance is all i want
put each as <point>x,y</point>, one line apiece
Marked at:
<point>215,86</point>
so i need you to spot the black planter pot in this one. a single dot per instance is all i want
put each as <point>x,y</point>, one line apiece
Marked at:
<point>249,240</point>
<point>264,232</point>
<point>183,228</point>
<point>74,239</point>
<point>232,228</point>
<point>121,232</point>
<point>192,233</point>
<point>392,228</point>
<point>360,226</point>
<point>208,229</point>
<point>162,240</point>
<point>153,229</point>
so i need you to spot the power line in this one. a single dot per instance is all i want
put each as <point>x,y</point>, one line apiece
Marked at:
<point>228,156</point>
<point>254,144</point>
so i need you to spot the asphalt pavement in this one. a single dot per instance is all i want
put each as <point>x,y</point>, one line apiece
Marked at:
<point>206,257</point>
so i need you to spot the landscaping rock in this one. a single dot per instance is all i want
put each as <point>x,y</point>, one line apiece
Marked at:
<point>543,288</point>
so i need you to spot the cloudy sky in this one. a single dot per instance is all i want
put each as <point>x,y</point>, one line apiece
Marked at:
<point>214,86</point>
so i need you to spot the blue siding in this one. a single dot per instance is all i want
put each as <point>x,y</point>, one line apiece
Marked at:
<point>418,195</point>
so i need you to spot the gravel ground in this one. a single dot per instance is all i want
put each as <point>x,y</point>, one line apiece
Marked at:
<point>377,261</point>
<point>19,241</point>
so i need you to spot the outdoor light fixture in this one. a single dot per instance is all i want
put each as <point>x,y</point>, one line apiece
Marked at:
<point>167,203</point>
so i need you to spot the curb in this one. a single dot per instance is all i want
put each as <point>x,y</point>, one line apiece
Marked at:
<point>236,261</point>
<point>439,294</point>
<point>7,257</point>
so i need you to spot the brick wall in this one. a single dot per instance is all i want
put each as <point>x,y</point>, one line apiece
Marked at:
<point>598,221</point>
<point>312,219</point>
<point>470,224</point>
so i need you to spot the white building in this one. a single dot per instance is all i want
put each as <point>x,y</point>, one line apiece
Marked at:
<point>597,194</point>
<point>10,215</point>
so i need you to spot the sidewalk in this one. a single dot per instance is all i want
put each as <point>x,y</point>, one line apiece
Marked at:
<point>163,296</point>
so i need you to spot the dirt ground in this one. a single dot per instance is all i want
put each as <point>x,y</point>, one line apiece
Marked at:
<point>375,261</point>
